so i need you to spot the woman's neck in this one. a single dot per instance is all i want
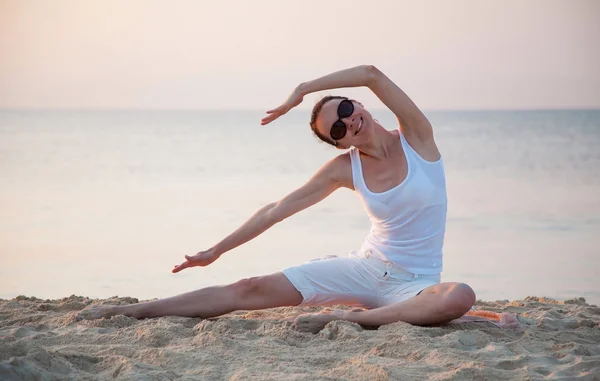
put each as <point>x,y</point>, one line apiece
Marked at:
<point>381,145</point>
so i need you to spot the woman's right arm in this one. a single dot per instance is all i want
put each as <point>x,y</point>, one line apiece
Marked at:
<point>333,175</point>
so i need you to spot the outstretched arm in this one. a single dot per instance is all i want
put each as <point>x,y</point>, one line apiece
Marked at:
<point>322,184</point>
<point>353,77</point>
<point>412,120</point>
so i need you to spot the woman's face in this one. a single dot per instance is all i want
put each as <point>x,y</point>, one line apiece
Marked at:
<point>357,125</point>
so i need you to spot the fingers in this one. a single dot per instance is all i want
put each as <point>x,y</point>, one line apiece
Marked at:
<point>266,121</point>
<point>269,119</point>
<point>180,267</point>
<point>277,110</point>
<point>184,265</point>
<point>273,114</point>
<point>191,261</point>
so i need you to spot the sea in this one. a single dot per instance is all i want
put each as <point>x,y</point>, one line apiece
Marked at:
<point>104,203</point>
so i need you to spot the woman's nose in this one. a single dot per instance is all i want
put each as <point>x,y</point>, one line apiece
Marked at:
<point>349,122</point>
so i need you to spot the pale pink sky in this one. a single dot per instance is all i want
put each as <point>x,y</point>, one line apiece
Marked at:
<point>250,54</point>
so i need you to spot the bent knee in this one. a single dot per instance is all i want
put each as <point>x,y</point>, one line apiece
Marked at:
<point>466,293</point>
<point>460,299</point>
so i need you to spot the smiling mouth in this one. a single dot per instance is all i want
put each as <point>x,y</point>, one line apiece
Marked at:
<point>359,126</point>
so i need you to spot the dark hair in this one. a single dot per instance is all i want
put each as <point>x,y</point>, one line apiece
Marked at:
<point>315,113</point>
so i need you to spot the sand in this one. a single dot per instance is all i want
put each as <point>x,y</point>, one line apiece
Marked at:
<point>43,340</point>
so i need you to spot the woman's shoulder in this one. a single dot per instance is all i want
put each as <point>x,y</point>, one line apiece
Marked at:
<point>340,169</point>
<point>426,149</point>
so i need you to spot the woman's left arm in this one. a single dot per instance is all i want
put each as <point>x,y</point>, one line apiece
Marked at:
<point>412,120</point>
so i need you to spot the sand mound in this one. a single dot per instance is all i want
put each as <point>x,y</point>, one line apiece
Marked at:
<point>43,340</point>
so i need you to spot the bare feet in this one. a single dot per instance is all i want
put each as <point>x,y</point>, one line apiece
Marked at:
<point>316,322</point>
<point>509,320</point>
<point>499,319</point>
<point>98,312</point>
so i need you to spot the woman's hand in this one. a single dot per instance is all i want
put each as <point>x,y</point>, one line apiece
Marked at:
<point>293,100</point>
<point>203,258</point>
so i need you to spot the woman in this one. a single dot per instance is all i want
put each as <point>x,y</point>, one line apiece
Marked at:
<point>398,175</point>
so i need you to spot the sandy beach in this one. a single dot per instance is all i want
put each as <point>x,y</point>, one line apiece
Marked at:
<point>45,340</point>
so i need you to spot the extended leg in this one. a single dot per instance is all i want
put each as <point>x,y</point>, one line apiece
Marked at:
<point>248,294</point>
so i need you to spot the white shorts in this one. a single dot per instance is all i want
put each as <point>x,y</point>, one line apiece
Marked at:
<point>361,279</point>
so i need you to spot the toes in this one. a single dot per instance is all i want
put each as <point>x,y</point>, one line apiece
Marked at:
<point>84,315</point>
<point>94,313</point>
<point>308,323</point>
<point>313,323</point>
<point>509,320</point>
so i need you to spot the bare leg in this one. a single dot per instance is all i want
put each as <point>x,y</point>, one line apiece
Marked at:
<point>436,304</point>
<point>248,294</point>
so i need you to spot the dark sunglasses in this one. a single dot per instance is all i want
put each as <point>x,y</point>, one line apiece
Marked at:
<point>339,128</point>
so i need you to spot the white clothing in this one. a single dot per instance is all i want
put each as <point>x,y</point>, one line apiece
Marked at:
<point>408,222</point>
<point>401,256</point>
<point>361,279</point>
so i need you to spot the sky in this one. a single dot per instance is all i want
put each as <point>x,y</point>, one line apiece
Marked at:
<point>176,54</point>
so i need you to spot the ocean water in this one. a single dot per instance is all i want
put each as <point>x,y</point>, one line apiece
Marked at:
<point>104,203</point>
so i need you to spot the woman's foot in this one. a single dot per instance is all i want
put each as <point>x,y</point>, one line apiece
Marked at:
<point>98,312</point>
<point>316,322</point>
<point>509,320</point>
<point>499,319</point>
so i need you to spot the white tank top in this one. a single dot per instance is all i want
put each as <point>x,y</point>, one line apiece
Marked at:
<point>408,222</point>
